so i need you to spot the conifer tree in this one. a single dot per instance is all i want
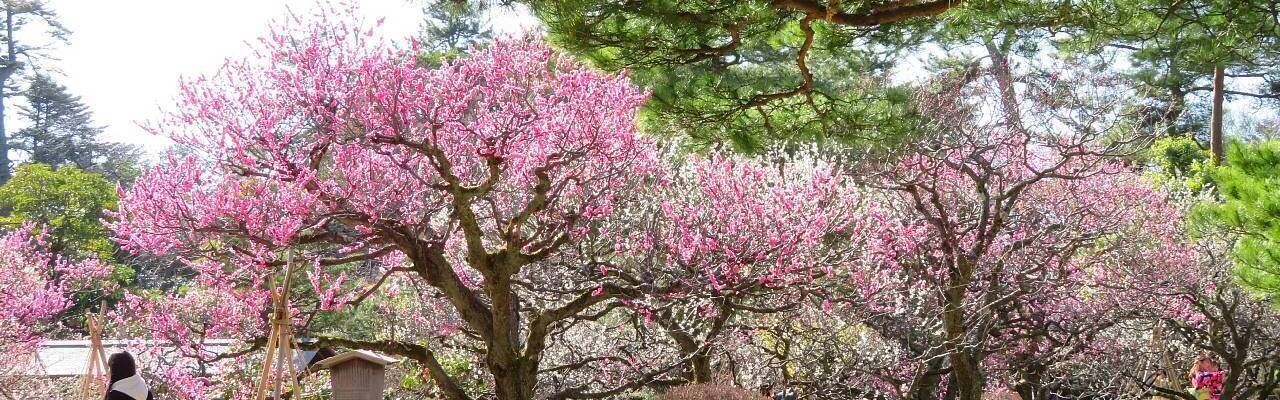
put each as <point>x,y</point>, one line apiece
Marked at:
<point>60,131</point>
<point>29,18</point>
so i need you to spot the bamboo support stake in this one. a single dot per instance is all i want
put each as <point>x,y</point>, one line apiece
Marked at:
<point>281,359</point>
<point>266,365</point>
<point>91,383</point>
<point>280,342</point>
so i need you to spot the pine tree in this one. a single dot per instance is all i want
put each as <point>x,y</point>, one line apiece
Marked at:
<point>60,131</point>
<point>1249,206</point>
<point>69,203</point>
<point>1184,48</point>
<point>451,27</point>
<point>455,25</point>
<point>756,75</point>
<point>19,17</point>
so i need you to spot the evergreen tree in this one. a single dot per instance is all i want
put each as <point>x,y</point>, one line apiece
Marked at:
<point>1249,191</point>
<point>1182,48</point>
<point>15,54</point>
<point>455,25</point>
<point>451,27</point>
<point>60,131</point>
<point>69,202</point>
<point>751,74</point>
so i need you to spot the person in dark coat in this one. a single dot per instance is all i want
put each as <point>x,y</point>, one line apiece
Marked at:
<point>126,383</point>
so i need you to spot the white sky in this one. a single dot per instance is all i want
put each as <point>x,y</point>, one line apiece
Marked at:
<point>125,57</point>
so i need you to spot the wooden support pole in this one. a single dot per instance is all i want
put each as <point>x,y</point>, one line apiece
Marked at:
<point>280,342</point>
<point>286,339</point>
<point>266,365</point>
<point>92,384</point>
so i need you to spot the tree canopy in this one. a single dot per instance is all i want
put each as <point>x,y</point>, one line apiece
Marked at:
<point>754,74</point>
<point>1249,207</point>
<point>69,202</point>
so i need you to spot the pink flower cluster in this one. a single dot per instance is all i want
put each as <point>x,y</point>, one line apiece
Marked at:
<point>36,286</point>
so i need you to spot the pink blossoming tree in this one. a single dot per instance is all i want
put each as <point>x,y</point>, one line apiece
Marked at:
<point>36,288</point>
<point>988,256</point>
<point>481,188</point>
<point>341,150</point>
<point>501,210</point>
<point>1200,310</point>
<point>723,241</point>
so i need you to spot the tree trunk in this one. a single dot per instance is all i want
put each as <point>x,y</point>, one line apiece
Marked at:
<point>513,381</point>
<point>5,168</point>
<point>950,392</point>
<point>11,66</point>
<point>514,376</point>
<point>701,365</point>
<point>965,370</point>
<point>698,364</point>
<point>925,387</point>
<point>1215,120</point>
<point>1031,386</point>
<point>1177,106</point>
<point>1004,81</point>
<point>1231,384</point>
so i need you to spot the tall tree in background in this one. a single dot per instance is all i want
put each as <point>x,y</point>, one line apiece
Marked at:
<point>21,18</point>
<point>453,25</point>
<point>754,72</point>
<point>60,131</point>
<point>450,28</point>
<point>1188,47</point>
